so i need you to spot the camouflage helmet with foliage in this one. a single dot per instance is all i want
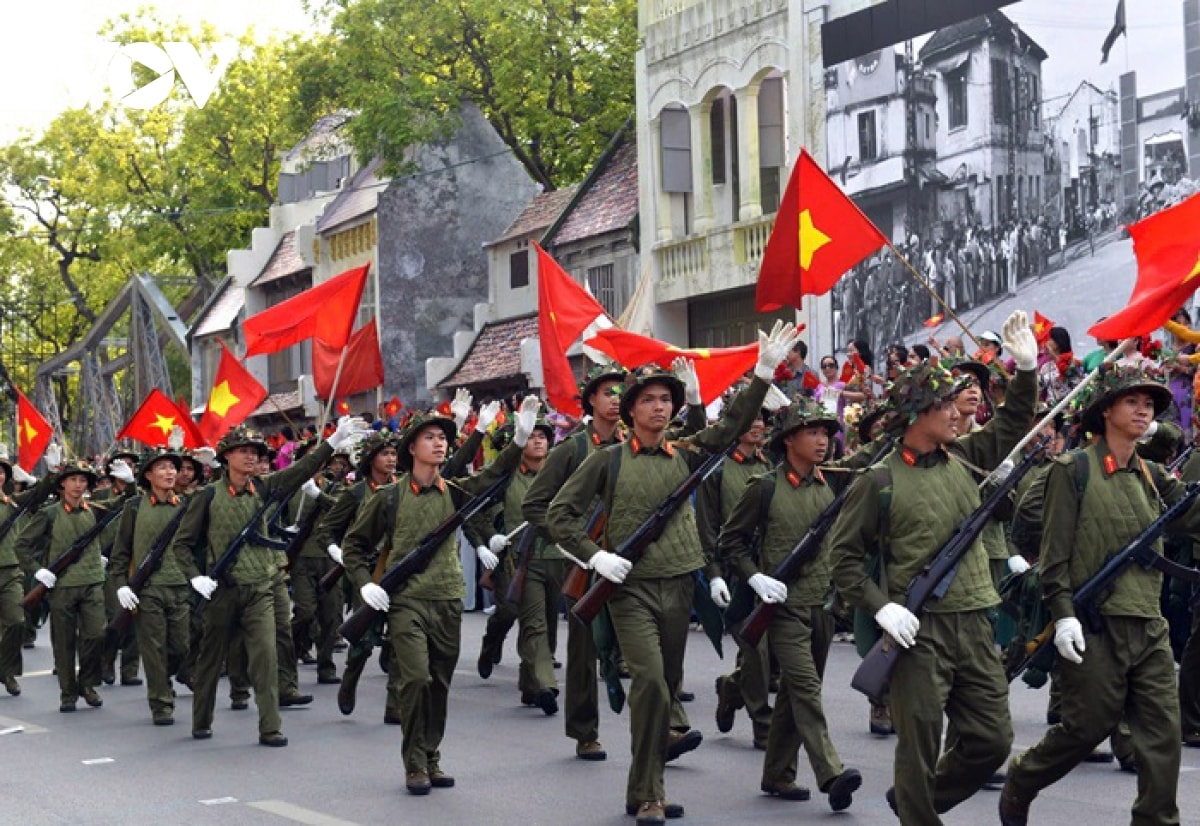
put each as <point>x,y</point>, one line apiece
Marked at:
<point>372,446</point>
<point>802,412</point>
<point>241,436</point>
<point>918,388</point>
<point>1114,381</point>
<point>596,377</point>
<point>415,425</point>
<point>501,436</point>
<point>976,369</point>
<point>641,378</point>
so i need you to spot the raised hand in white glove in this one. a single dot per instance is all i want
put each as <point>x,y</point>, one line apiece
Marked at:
<point>176,438</point>
<point>1150,431</point>
<point>719,592</point>
<point>122,472</point>
<point>46,577</point>
<point>21,476</point>
<point>768,588</point>
<point>204,585</point>
<point>775,399</point>
<point>773,347</point>
<point>53,456</point>
<point>685,371</point>
<point>498,543</point>
<point>1019,341</point>
<point>460,408</point>
<point>375,597</point>
<point>899,623</point>
<point>487,415</point>
<point>206,456</point>
<point>486,558</point>
<point>128,599</point>
<point>335,553</point>
<point>1018,564</point>
<point>525,419</point>
<point>349,430</point>
<point>610,566</point>
<point>311,489</point>
<point>1068,639</point>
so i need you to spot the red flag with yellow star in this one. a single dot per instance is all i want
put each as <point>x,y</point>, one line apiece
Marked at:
<point>1167,247</point>
<point>565,310</point>
<point>1041,327</point>
<point>33,433</point>
<point>154,420</point>
<point>819,234</point>
<point>235,395</point>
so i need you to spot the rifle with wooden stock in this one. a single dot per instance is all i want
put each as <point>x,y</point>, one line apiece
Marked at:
<point>576,583</point>
<point>875,671</point>
<point>418,559</point>
<point>222,568</point>
<point>805,551</point>
<point>72,554</point>
<point>153,561</point>
<point>1087,598</point>
<point>635,545</point>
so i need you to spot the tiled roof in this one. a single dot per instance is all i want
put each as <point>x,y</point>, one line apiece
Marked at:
<point>279,401</point>
<point>542,211</point>
<point>495,353</point>
<point>283,262</point>
<point>359,198</point>
<point>222,312</point>
<point>995,24</point>
<point>609,204</point>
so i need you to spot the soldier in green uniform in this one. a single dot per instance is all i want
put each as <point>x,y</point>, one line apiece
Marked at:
<point>162,608</point>
<point>247,603</point>
<point>1189,660</point>
<point>747,686</point>
<point>488,532</point>
<point>116,644</point>
<point>951,667</point>
<point>650,613</point>
<point>424,615</point>
<point>1097,499</point>
<point>801,631</point>
<point>76,597</point>
<point>12,591</point>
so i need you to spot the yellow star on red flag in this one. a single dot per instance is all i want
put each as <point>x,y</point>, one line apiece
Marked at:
<point>163,423</point>
<point>811,239</point>
<point>28,433</point>
<point>221,399</point>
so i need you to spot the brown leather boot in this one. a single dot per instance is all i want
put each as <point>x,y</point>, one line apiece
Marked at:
<point>347,692</point>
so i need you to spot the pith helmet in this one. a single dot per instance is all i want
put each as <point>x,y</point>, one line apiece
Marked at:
<point>802,412</point>
<point>418,423</point>
<point>76,468</point>
<point>1112,384</point>
<point>594,378</point>
<point>642,378</point>
<point>241,436</point>
<point>148,460</point>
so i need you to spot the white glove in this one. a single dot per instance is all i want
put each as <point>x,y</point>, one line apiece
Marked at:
<point>719,592</point>
<point>525,419</point>
<point>775,399</point>
<point>375,597</point>
<point>103,562</point>
<point>349,430</point>
<point>1150,431</point>
<point>610,566</point>
<point>122,472</point>
<point>204,585</point>
<point>487,415</point>
<point>46,577</point>
<point>206,456</point>
<point>21,476</point>
<point>127,598</point>
<point>53,456</point>
<point>175,440</point>
<point>498,543</point>
<point>1018,564</point>
<point>768,588</point>
<point>773,347</point>
<point>460,408</point>
<point>335,553</point>
<point>899,623</point>
<point>685,371</point>
<point>311,489</point>
<point>486,558</point>
<point>1019,341</point>
<point>1068,639</point>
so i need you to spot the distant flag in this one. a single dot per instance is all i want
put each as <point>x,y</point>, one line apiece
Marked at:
<point>1116,31</point>
<point>234,396</point>
<point>1041,327</point>
<point>819,234</point>
<point>565,311</point>
<point>156,418</point>
<point>934,321</point>
<point>343,408</point>
<point>362,369</point>
<point>327,312</point>
<point>393,407</point>
<point>33,433</point>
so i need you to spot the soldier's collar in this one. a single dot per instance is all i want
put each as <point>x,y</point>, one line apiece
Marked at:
<point>373,486</point>
<point>935,457</point>
<point>1110,465</point>
<point>526,470</point>
<point>418,489</point>
<point>83,506</point>
<point>635,445</point>
<point>742,458</point>
<point>617,437</point>
<point>814,477</point>
<point>171,499</point>
<point>248,489</point>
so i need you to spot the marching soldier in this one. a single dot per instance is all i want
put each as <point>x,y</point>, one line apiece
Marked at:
<point>247,603</point>
<point>424,616</point>
<point>122,644</point>
<point>771,515</point>
<point>163,605</point>
<point>1098,499</point>
<point>650,614</point>
<point>951,667</point>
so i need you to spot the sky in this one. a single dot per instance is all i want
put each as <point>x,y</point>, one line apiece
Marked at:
<point>52,46</point>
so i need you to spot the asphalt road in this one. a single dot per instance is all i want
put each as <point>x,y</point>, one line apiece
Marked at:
<point>513,764</point>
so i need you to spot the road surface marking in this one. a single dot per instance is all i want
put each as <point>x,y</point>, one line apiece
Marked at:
<point>298,814</point>
<point>217,801</point>
<point>96,761</point>
<point>13,723</point>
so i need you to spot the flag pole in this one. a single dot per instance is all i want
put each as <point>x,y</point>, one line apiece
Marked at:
<point>282,412</point>
<point>337,377</point>
<point>924,283</point>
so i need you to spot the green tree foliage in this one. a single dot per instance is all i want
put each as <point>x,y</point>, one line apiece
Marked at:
<point>555,78</point>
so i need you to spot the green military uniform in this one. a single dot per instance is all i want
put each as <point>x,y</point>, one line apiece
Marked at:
<point>953,668</point>
<point>1189,661</point>
<point>310,565</point>
<point>424,620</point>
<point>12,589</point>
<point>651,610</point>
<point>162,620</point>
<point>116,644</point>
<point>1128,667</point>
<point>748,685</point>
<point>248,604</point>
